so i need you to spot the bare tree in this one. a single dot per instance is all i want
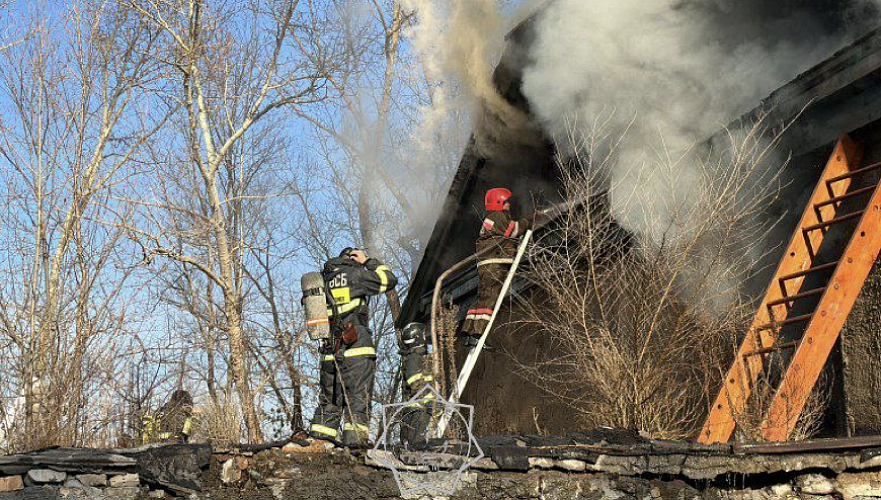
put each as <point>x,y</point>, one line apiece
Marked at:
<point>72,130</point>
<point>382,168</point>
<point>230,66</point>
<point>167,124</point>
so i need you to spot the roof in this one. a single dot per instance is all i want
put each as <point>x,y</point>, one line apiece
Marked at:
<point>839,95</point>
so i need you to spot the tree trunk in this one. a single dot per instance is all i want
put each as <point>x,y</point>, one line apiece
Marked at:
<point>239,368</point>
<point>232,307</point>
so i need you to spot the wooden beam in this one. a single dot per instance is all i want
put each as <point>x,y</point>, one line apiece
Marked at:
<point>798,257</point>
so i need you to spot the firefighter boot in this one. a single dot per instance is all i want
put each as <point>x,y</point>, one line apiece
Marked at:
<point>356,440</point>
<point>320,436</point>
<point>470,341</point>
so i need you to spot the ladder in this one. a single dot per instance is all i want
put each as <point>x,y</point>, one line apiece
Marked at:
<point>471,360</point>
<point>822,322</point>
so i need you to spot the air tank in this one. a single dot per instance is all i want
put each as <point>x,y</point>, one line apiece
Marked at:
<point>315,304</point>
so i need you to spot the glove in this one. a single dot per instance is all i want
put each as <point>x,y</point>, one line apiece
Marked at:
<point>372,264</point>
<point>529,221</point>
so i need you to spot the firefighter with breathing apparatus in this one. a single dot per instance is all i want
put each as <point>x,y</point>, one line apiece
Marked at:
<point>348,355</point>
<point>499,236</point>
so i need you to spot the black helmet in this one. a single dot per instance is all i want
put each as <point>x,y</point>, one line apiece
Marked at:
<point>179,400</point>
<point>414,336</point>
<point>348,251</point>
<point>181,396</point>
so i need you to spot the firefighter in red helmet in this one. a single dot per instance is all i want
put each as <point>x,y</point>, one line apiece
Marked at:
<point>500,233</point>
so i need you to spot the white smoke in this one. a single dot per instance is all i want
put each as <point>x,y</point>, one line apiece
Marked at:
<point>432,39</point>
<point>652,58</point>
<point>435,143</point>
<point>671,72</point>
<point>460,42</point>
<point>663,62</point>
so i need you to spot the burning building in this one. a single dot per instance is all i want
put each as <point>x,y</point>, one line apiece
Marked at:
<point>836,56</point>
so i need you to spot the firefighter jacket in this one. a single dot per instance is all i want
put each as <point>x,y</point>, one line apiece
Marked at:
<point>168,424</point>
<point>502,233</point>
<point>414,375</point>
<point>350,286</point>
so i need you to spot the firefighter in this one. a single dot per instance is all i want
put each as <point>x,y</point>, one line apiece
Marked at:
<point>501,234</point>
<point>413,349</point>
<point>172,423</point>
<point>348,358</point>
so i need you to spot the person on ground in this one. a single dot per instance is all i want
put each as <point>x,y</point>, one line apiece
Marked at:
<point>348,358</point>
<point>413,350</point>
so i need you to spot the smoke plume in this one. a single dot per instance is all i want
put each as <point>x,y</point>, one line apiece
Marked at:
<point>685,66</point>
<point>671,72</point>
<point>461,41</point>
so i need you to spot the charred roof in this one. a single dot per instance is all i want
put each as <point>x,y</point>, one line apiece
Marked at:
<point>840,95</point>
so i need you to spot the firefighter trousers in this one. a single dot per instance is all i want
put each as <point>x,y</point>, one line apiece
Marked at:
<point>414,423</point>
<point>346,383</point>
<point>415,416</point>
<point>490,278</point>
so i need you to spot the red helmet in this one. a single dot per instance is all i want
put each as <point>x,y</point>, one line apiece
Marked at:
<point>496,198</point>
